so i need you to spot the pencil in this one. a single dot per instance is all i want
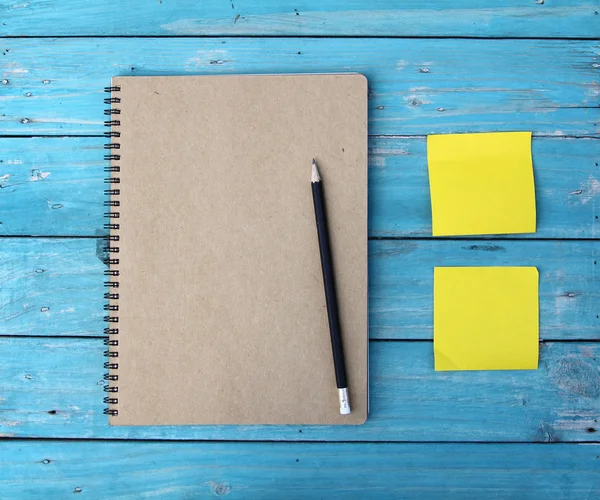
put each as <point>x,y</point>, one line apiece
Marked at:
<point>330,296</point>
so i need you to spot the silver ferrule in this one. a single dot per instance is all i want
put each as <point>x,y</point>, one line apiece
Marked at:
<point>344,401</point>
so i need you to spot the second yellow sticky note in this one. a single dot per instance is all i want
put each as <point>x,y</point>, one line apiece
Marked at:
<point>481,183</point>
<point>485,318</point>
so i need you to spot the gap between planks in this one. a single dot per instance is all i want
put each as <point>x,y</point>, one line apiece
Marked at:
<point>371,136</point>
<point>374,340</point>
<point>370,238</point>
<point>315,37</point>
<point>288,442</point>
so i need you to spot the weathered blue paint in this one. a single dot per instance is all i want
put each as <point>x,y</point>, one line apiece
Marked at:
<point>53,388</point>
<point>480,18</point>
<point>54,186</point>
<point>59,469</point>
<point>54,287</point>
<point>417,86</point>
<point>51,293</point>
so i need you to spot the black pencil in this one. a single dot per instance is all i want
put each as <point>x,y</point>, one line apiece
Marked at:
<point>330,295</point>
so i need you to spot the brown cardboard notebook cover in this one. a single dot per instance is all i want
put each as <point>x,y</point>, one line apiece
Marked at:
<point>222,315</point>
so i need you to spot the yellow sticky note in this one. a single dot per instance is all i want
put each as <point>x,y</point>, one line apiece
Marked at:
<point>485,318</point>
<point>481,183</point>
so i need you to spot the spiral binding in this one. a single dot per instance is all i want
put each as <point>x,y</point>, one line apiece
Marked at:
<point>112,272</point>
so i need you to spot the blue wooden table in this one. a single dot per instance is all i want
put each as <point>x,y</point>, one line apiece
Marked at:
<point>433,66</point>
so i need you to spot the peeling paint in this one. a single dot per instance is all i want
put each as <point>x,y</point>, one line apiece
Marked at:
<point>206,58</point>
<point>576,376</point>
<point>416,100</point>
<point>486,248</point>
<point>36,175</point>
<point>14,69</point>
<point>587,351</point>
<point>575,425</point>
<point>75,121</point>
<point>377,161</point>
<point>546,433</point>
<point>184,26</point>
<point>219,489</point>
<point>389,151</point>
<point>587,191</point>
<point>579,413</point>
<point>562,303</point>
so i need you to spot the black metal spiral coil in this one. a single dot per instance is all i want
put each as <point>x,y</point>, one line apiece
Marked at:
<point>112,226</point>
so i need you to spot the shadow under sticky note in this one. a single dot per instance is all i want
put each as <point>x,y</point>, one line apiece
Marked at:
<point>481,183</point>
<point>486,318</point>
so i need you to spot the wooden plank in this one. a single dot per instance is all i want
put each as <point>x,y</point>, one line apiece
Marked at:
<point>503,18</point>
<point>566,181</point>
<point>401,283</point>
<point>57,469</point>
<point>53,388</point>
<point>51,286</point>
<point>54,86</point>
<point>54,287</point>
<point>54,186</point>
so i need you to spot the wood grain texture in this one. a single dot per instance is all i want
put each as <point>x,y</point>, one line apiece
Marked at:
<point>51,286</point>
<point>503,18</point>
<point>54,287</point>
<point>401,283</point>
<point>54,86</point>
<point>566,183</point>
<point>53,388</point>
<point>54,186</point>
<point>298,470</point>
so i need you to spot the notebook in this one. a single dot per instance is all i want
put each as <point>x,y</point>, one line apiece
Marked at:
<point>217,309</point>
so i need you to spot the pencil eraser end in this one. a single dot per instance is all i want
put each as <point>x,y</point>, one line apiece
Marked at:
<point>344,401</point>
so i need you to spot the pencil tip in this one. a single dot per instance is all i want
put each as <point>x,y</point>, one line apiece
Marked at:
<point>315,177</point>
